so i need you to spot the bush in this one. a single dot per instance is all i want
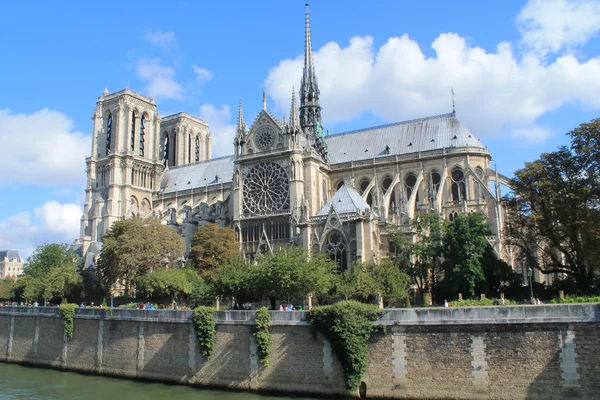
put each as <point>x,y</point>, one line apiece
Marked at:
<point>206,330</point>
<point>262,333</point>
<point>67,311</point>
<point>579,299</point>
<point>348,326</point>
<point>479,303</point>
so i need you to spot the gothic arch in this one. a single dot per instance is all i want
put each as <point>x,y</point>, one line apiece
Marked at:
<point>336,246</point>
<point>365,188</point>
<point>458,186</point>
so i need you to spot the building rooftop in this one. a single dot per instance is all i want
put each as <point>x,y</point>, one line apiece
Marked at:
<point>345,201</point>
<point>12,255</point>
<point>198,175</point>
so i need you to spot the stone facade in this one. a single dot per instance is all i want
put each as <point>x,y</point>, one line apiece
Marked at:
<point>11,264</point>
<point>528,352</point>
<point>288,182</point>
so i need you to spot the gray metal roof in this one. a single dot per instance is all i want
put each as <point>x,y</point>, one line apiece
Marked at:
<point>10,254</point>
<point>419,135</point>
<point>198,174</point>
<point>345,201</point>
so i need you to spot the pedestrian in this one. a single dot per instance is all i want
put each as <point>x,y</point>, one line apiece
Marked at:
<point>445,303</point>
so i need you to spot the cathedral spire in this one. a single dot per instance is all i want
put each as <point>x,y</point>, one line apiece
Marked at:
<point>264,100</point>
<point>294,110</point>
<point>310,110</point>
<point>241,125</point>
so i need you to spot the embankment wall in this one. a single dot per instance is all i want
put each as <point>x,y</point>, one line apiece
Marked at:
<point>521,352</point>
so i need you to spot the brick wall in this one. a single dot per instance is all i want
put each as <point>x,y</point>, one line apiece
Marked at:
<point>535,353</point>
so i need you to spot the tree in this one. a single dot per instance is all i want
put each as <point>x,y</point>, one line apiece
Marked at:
<point>132,248</point>
<point>47,257</point>
<point>464,246</point>
<point>385,280</point>
<point>499,277</point>
<point>291,274</point>
<point>237,280</point>
<point>213,246</point>
<point>7,288</point>
<point>62,281</point>
<point>164,282</point>
<point>554,213</point>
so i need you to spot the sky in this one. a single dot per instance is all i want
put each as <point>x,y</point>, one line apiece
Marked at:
<point>524,73</point>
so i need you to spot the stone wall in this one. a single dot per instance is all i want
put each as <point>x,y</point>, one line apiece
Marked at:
<point>528,352</point>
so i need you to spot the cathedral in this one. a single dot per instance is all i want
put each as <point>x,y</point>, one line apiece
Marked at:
<point>288,182</point>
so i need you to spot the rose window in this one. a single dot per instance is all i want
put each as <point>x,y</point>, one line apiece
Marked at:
<point>264,139</point>
<point>266,189</point>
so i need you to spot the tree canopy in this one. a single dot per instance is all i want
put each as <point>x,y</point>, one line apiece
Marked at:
<point>133,247</point>
<point>554,213</point>
<point>213,246</point>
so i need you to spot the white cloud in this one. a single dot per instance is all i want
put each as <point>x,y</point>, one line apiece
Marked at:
<point>160,80</point>
<point>533,134</point>
<point>52,222</point>
<point>42,148</point>
<point>202,75</point>
<point>221,130</point>
<point>398,81</point>
<point>161,39</point>
<point>550,25</point>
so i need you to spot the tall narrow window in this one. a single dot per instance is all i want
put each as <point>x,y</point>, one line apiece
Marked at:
<point>459,189</point>
<point>173,159</point>
<point>197,149</point>
<point>166,151</point>
<point>336,248</point>
<point>142,134</point>
<point>479,193</point>
<point>363,186</point>
<point>108,133</point>
<point>189,149</point>
<point>410,181</point>
<point>132,147</point>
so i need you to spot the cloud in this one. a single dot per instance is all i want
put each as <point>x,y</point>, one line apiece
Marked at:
<point>221,130</point>
<point>533,134</point>
<point>52,222</point>
<point>397,81</point>
<point>42,148</point>
<point>161,39</point>
<point>202,75</point>
<point>551,25</point>
<point>160,80</point>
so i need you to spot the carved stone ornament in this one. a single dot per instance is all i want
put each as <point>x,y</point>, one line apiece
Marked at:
<point>264,138</point>
<point>266,189</point>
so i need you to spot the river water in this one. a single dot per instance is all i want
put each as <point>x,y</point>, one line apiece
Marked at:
<point>19,382</point>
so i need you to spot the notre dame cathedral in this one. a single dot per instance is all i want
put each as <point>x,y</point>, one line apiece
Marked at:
<point>287,183</point>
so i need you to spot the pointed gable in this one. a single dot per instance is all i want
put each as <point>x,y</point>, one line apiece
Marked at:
<point>346,202</point>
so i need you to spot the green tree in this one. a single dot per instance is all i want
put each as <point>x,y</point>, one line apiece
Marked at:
<point>7,288</point>
<point>164,282</point>
<point>554,213</point>
<point>464,246</point>
<point>237,280</point>
<point>386,280</point>
<point>213,246</point>
<point>47,257</point>
<point>132,248</point>
<point>62,281</point>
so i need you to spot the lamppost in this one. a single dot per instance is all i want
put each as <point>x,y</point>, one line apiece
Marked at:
<point>530,274</point>
<point>112,296</point>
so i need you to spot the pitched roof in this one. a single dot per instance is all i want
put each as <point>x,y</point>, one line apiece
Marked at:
<point>198,174</point>
<point>345,201</point>
<point>10,254</point>
<point>419,135</point>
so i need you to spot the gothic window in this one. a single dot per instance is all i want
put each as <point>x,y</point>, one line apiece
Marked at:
<point>173,158</point>
<point>197,149</point>
<point>339,185</point>
<point>459,189</point>
<point>108,132</point>
<point>264,139</point>
<point>364,184</point>
<point>266,189</point>
<point>409,182</point>
<point>385,185</point>
<point>479,193</point>
<point>336,248</point>
<point>142,134</point>
<point>189,149</point>
<point>132,147</point>
<point>434,184</point>
<point>166,150</point>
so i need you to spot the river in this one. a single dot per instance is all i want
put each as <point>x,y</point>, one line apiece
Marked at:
<point>19,383</point>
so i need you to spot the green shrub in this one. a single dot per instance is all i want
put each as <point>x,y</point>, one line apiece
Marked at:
<point>128,305</point>
<point>262,333</point>
<point>579,299</point>
<point>206,330</point>
<point>478,303</point>
<point>67,311</point>
<point>348,326</point>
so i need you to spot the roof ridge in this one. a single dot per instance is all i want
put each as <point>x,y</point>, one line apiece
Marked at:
<point>410,121</point>
<point>201,162</point>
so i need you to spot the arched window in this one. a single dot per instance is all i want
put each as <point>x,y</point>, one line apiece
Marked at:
<point>459,189</point>
<point>108,132</point>
<point>142,134</point>
<point>173,158</point>
<point>435,179</point>
<point>339,185</point>
<point>197,149</point>
<point>479,192</point>
<point>385,185</point>
<point>409,182</point>
<point>336,248</point>
<point>133,118</point>
<point>166,150</point>
<point>364,184</point>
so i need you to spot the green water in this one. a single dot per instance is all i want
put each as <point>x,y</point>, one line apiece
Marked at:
<point>19,382</point>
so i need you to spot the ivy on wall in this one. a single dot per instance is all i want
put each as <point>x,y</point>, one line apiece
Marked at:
<point>206,330</point>
<point>348,325</point>
<point>262,333</point>
<point>67,311</point>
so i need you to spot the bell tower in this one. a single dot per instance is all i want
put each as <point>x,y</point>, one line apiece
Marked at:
<point>124,168</point>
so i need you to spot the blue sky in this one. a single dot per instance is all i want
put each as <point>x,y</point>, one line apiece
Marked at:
<point>523,72</point>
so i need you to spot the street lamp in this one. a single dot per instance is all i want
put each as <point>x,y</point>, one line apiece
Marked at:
<point>530,274</point>
<point>112,296</point>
